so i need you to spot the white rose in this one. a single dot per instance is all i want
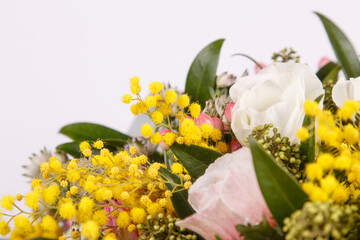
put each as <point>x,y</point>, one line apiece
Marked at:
<point>275,95</point>
<point>346,89</point>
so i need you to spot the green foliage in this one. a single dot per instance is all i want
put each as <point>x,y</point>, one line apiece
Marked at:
<point>90,132</point>
<point>281,191</point>
<point>344,51</point>
<point>202,74</point>
<point>195,159</point>
<point>71,148</point>
<point>307,147</point>
<point>179,198</point>
<point>262,231</point>
<point>324,73</point>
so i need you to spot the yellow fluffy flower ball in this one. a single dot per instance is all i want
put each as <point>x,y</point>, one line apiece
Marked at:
<point>48,224</point>
<point>157,117</point>
<point>123,219</point>
<point>51,194</point>
<point>195,110</point>
<point>138,215</point>
<point>90,229</point>
<point>127,98</point>
<point>156,87</point>
<point>67,210</point>
<point>177,168</point>
<point>7,202</point>
<point>303,134</point>
<point>170,96</point>
<point>31,200</point>
<point>146,130</point>
<point>183,101</point>
<point>155,138</point>
<point>4,227</point>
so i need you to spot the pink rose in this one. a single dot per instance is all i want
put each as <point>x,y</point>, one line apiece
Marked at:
<point>226,195</point>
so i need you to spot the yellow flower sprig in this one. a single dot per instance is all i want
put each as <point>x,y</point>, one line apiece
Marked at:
<point>162,106</point>
<point>334,174</point>
<point>82,189</point>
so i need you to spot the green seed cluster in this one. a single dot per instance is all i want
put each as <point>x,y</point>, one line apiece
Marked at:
<point>285,153</point>
<point>286,55</point>
<point>164,228</point>
<point>323,221</point>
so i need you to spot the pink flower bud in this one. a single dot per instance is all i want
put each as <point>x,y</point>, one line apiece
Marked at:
<point>226,127</point>
<point>228,110</point>
<point>162,144</point>
<point>257,69</point>
<point>234,145</point>
<point>203,118</point>
<point>323,62</point>
<point>218,123</point>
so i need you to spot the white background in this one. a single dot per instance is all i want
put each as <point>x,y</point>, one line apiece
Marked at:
<point>70,61</point>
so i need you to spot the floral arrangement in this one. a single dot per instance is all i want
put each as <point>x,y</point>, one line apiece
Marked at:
<point>275,155</point>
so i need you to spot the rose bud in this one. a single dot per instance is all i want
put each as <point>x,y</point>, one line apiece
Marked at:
<point>323,62</point>
<point>218,123</point>
<point>203,118</point>
<point>225,80</point>
<point>228,110</point>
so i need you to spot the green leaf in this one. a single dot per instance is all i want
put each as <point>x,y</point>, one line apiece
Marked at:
<point>217,237</point>
<point>344,51</point>
<point>332,74</point>
<point>90,131</point>
<point>195,159</point>
<point>170,159</point>
<point>281,191</point>
<point>202,74</point>
<point>307,147</point>
<point>262,231</point>
<point>71,148</point>
<point>329,68</point>
<point>179,197</point>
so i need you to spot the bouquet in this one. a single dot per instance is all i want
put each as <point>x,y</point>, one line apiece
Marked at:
<point>273,155</point>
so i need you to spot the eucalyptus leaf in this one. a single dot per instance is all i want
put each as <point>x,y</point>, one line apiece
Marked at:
<point>202,74</point>
<point>90,131</point>
<point>195,159</point>
<point>281,191</point>
<point>179,198</point>
<point>344,50</point>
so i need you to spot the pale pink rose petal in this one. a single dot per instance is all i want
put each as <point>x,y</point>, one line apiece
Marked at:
<point>226,195</point>
<point>206,223</point>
